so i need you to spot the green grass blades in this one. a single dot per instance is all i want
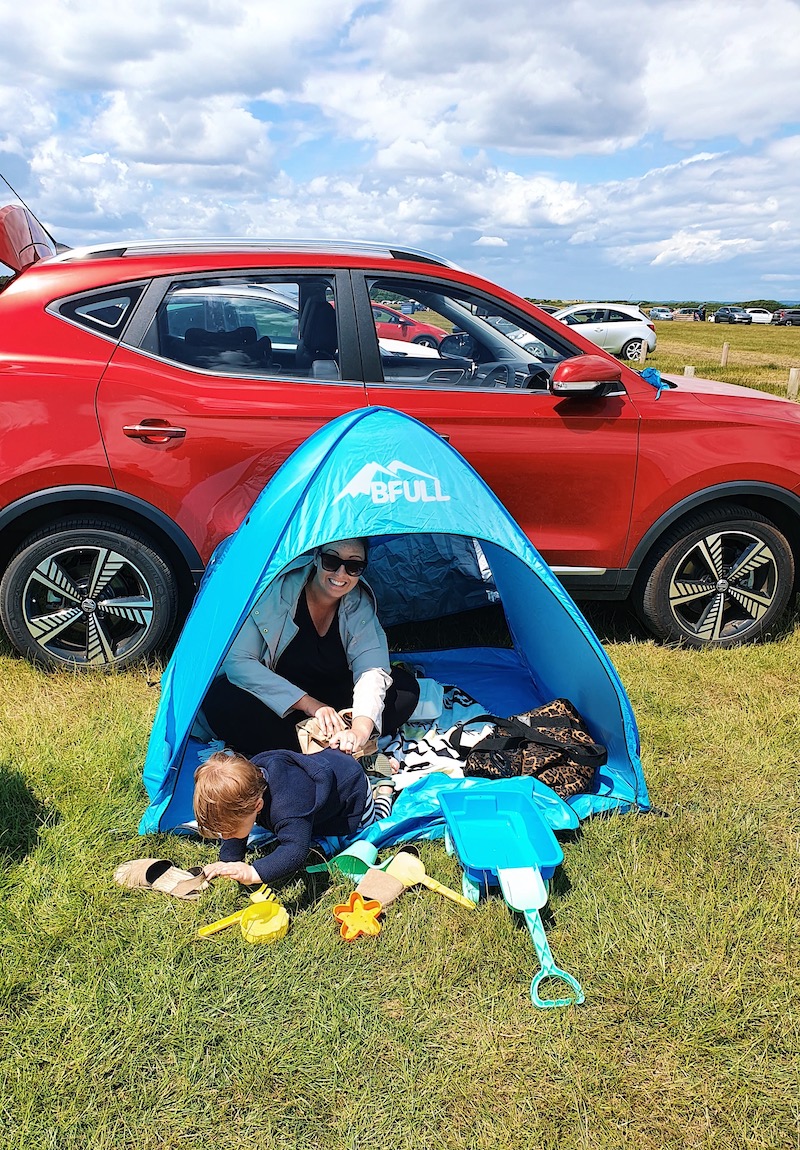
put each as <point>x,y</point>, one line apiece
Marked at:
<point>121,1029</point>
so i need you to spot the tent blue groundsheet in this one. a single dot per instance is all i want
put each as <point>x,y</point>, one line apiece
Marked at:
<point>379,473</point>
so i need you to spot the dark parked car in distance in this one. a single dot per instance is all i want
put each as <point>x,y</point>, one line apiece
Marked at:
<point>787,316</point>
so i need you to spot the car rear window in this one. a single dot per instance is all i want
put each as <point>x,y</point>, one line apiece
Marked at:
<point>104,312</point>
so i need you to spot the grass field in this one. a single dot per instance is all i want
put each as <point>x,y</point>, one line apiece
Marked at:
<point>760,355</point>
<point>120,1029</point>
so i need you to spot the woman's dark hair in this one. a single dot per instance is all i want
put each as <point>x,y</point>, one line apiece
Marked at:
<point>353,539</point>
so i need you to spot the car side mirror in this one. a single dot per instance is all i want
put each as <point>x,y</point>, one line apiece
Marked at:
<point>587,375</point>
<point>461,346</point>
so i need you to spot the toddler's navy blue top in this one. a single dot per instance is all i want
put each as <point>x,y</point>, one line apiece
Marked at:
<point>305,796</point>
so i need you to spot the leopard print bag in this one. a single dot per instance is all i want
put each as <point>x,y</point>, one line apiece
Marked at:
<point>551,743</point>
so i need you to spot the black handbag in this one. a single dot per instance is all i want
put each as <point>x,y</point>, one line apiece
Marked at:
<point>551,743</point>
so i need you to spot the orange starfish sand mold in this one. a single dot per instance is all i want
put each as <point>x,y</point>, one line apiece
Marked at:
<point>358,916</point>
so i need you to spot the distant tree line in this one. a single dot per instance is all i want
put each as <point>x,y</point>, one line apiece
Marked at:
<point>710,305</point>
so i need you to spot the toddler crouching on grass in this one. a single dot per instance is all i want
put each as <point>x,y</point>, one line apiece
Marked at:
<point>297,797</point>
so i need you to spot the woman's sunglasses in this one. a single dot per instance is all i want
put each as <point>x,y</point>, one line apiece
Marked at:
<point>332,562</point>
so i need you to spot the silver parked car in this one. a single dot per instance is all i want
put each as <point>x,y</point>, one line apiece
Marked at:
<point>618,328</point>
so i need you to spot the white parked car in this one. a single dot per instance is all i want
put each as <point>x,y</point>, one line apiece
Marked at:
<point>618,328</point>
<point>760,314</point>
<point>401,347</point>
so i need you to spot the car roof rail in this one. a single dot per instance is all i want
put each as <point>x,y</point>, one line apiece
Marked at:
<point>210,246</point>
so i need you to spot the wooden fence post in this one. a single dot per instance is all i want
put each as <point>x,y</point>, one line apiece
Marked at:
<point>643,351</point>
<point>724,358</point>
<point>688,370</point>
<point>794,382</point>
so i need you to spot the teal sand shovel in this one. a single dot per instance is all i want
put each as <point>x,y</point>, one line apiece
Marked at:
<point>524,890</point>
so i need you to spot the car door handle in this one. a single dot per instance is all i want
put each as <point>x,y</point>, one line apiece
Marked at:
<point>154,431</point>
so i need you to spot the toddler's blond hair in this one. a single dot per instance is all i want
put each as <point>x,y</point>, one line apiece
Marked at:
<point>227,787</point>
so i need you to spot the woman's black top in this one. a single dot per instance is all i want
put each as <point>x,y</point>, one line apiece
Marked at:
<point>317,663</point>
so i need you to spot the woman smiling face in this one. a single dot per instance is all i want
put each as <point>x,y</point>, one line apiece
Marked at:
<point>336,584</point>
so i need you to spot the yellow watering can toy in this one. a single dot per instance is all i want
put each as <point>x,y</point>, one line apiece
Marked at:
<point>264,920</point>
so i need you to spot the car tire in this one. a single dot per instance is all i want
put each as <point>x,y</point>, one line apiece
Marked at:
<point>722,578</point>
<point>88,592</point>
<point>632,349</point>
<point>426,341</point>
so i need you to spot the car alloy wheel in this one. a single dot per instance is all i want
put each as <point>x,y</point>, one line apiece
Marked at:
<point>88,593</point>
<point>426,341</point>
<point>721,579</point>
<point>633,349</point>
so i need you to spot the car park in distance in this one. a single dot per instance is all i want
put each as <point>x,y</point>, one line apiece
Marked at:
<point>660,313</point>
<point>787,317</point>
<point>732,315</point>
<point>617,328</point>
<point>151,389</point>
<point>759,314</point>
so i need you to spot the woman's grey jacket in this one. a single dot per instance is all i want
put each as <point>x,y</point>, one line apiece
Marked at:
<point>270,628</point>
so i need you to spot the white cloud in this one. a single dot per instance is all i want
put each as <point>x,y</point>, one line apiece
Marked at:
<point>491,242</point>
<point>215,133</point>
<point>188,48</point>
<point>699,247</point>
<point>728,71</point>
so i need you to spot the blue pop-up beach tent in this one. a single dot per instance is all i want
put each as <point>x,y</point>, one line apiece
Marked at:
<point>379,473</point>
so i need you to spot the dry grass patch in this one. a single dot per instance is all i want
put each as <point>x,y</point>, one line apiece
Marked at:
<point>760,355</point>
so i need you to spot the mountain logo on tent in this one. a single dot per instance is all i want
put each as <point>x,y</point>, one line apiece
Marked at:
<point>396,480</point>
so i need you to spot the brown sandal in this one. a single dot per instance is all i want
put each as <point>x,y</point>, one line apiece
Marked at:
<point>162,875</point>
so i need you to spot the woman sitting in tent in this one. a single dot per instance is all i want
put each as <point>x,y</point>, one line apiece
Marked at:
<point>312,645</point>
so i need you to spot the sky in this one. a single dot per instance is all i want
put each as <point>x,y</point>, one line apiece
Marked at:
<point>634,149</point>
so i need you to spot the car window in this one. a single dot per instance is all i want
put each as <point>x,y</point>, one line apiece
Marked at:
<point>258,325</point>
<point>619,317</point>
<point>586,315</point>
<point>456,339</point>
<point>104,312</point>
<point>383,316</point>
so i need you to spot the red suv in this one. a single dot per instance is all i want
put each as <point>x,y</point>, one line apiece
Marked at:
<point>150,390</point>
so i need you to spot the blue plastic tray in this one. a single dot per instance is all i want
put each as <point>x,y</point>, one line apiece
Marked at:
<point>493,826</point>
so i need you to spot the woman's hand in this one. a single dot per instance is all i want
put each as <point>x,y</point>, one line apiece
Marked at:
<point>351,741</point>
<point>329,719</point>
<point>240,871</point>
